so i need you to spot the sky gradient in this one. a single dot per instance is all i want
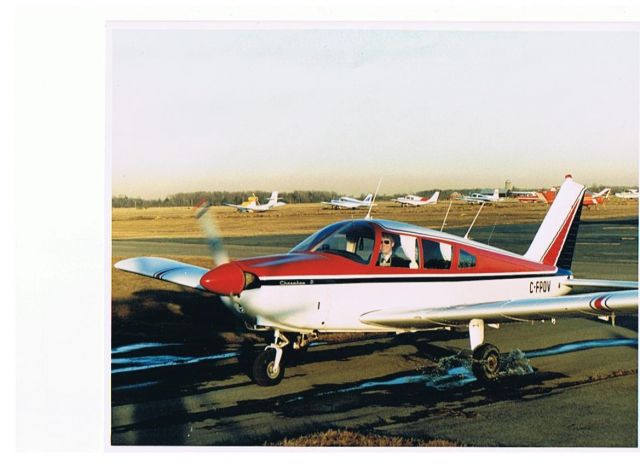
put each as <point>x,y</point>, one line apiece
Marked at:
<point>335,109</point>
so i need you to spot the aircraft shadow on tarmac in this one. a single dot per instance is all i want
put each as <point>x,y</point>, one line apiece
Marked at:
<point>403,389</point>
<point>431,391</point>
<point>164,315</point>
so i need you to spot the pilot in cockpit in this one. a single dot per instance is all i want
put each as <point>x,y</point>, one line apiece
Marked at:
<point>388,257</point>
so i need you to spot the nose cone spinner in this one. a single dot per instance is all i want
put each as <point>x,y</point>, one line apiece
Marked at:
<point>225,279</point>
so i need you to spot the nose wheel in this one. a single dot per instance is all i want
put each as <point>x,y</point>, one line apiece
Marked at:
<point>265,370</point>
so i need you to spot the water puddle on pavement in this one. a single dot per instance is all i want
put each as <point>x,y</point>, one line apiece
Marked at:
<point>451,373</point>
<point>454,372</point>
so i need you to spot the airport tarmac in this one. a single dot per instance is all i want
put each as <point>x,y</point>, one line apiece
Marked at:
<point>575,387</point>
<point>586,397</point>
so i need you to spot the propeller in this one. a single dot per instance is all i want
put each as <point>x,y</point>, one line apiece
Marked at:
<point>226,277</point>
<point>212,233</point>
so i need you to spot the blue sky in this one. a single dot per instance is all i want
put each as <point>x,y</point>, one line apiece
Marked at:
<point>336,108</point>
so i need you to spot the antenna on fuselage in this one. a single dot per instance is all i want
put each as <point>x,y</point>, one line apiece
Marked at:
<point>446,215</point>
<point>368,216</point>
<point>474,220</point>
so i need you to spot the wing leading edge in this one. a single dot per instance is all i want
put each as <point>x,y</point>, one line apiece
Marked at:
<point>596,303</point>
<point>165,269</point>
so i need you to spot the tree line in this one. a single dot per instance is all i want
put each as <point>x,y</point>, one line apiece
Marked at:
<point>192,199</point>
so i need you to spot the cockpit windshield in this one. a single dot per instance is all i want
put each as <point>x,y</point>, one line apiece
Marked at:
<point>317,236</point>
<point>353,240</point>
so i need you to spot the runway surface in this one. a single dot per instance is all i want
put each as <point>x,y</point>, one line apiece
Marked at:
<point>569,384</point>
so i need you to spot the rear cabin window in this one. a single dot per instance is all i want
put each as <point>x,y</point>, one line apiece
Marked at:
<point>437,255</point>
<point>466,260</point>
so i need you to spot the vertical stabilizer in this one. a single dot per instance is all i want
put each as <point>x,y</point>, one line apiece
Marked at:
<point>434,197</point>
<point>273,199</point>
<point>556,238</point>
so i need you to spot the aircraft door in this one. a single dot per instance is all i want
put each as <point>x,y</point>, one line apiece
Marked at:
<point>324,307</point>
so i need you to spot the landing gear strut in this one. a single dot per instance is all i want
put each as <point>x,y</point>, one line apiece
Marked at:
<point>267,369</point>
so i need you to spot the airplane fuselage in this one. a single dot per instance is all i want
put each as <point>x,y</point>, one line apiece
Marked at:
<point>311,290</point>
<point>307,303</point>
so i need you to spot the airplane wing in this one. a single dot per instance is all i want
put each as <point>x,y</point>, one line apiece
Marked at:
<point>595,304</point>
<point>340,204</point>
<point>165,270</point>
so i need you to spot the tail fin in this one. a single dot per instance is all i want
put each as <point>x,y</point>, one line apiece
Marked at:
<point>434,197</point>
<point>273,199</point>
<point>556,238</point>
<point>368,198</point>
<point>496,194</point>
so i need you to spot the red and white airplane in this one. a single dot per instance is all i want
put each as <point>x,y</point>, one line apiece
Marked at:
<point>417,201</point>
<point>333,281</point>
<point>589,199</point>
<point>529,196</point>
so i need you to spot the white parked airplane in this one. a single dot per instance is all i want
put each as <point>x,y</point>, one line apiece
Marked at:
<point>416,200</point>
<point>253,204</point>
<point>476,197</point>
<point>351,203</point>
<point>379,275</point>
<point>628,194</point>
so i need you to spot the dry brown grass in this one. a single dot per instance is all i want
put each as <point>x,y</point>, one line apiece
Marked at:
<point>346,438</point>
<point>307,218</point>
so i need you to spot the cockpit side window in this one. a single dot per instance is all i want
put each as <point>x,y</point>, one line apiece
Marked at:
<point>437,255</point>
<point>398,250</point>
<point>353,241</point>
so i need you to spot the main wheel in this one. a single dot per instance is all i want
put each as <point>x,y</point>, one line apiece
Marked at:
<point>486,362</point>
<point>264,371</point>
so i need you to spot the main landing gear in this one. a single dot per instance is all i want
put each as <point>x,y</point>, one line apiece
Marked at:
<point>268,367</point>
<point>485,361</point>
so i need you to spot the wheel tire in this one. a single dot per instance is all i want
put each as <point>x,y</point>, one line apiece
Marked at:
<point>486,363</point>
<point>262,369</point>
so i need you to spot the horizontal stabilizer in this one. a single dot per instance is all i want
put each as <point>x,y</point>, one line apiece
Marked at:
<point>600,284</point>
<point>165,270</point>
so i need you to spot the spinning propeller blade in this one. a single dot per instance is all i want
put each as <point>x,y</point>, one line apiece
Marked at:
<point>212,233</point>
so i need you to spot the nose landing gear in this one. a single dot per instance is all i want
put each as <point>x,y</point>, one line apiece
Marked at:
<point>268,369</point>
